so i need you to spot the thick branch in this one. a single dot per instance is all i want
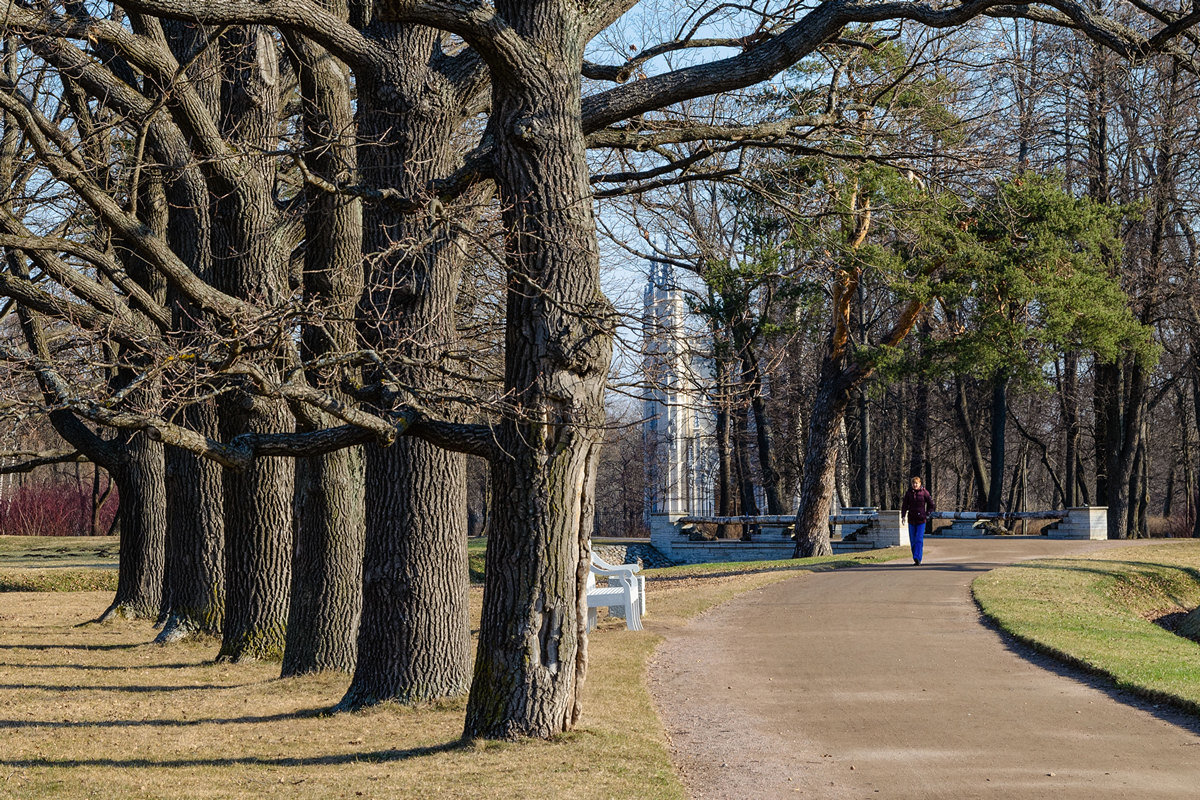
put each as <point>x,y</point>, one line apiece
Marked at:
<point>29,295</point>
<point>478,23</point>
<point>771,56</point>
<point>41,249</point>
<point>475,440</point>
<point>42,459</point>
<point>318,23</point>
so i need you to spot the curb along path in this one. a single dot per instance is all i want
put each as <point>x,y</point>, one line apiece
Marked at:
<point>883,681</point>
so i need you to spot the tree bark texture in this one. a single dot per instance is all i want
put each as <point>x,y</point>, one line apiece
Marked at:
<point>327,564</point>
<point>194,589</point>
<point>414,637</point>
<point>414,640</point>
<point>532,656</point>
<point>326,598</point>
<point>820,460</point>
<point>1125,415</point>
<point>142,509</point>
<point>249,263</point>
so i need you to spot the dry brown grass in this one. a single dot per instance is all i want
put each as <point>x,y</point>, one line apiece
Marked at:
<point>95,711</point>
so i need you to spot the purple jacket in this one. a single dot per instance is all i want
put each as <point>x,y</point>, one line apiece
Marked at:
<point>917,504</point>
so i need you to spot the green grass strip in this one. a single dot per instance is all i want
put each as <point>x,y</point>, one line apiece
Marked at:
<point>725,568</point>
<point>1095,612</point>
<point>59,580</point>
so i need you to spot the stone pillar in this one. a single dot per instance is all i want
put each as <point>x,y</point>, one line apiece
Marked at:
<point>664,532</point>
<point>888,531</point>
<point>1084,522</point>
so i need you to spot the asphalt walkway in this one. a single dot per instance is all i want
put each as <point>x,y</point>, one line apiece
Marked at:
<point>884,681</point>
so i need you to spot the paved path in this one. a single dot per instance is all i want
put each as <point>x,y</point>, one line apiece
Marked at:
<point>883,681</point>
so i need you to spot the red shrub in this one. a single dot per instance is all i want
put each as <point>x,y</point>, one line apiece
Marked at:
<point>56,509</point>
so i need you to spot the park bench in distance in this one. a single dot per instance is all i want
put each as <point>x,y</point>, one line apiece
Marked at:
<point>625,589</point>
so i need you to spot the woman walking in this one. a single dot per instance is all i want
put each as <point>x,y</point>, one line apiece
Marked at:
<point>917,504</point>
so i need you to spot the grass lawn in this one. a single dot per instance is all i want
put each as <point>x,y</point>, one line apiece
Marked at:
<point>97,711</point>
<point>1096,611</point>
<point>58,563</point>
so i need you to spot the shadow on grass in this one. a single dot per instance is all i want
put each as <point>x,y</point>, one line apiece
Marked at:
<point>1168,708</point>
<point>374,756</point>
<point>310,713</point>
<point>131,688</point>
<point>104,667</point>
<point>126,646</point>
<point>1163,707</point>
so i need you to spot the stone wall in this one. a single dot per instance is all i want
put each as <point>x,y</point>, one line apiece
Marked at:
<point>645,554</point>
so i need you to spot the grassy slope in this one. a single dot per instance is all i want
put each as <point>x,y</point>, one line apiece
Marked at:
<point>1095,612</point>
<point>95,711</point>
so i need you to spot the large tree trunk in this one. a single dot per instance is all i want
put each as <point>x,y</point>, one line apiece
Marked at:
<point>142,511</point>
<point>414,637</point>
<point>327,564</point>
<point>248,263</point>
<point>1126,420</point>
<point>141,475</point>
<point>194,592</point>
<point>414,640</point>
<point>326,598</point>
<point>532,642</point>
<point>258,545</point>
<point>820,461</point>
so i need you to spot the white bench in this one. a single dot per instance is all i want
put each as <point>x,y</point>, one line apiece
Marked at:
<point>625,588</point>
<point>632,570</point>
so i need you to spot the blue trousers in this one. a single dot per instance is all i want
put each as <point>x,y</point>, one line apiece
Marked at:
<point>916,537</point>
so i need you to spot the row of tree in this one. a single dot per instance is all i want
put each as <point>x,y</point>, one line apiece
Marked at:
<point>277,266</point>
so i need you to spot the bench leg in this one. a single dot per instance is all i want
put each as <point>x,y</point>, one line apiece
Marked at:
<point>633,613</point>
<point>591,623</point>
<point>642,594</point>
